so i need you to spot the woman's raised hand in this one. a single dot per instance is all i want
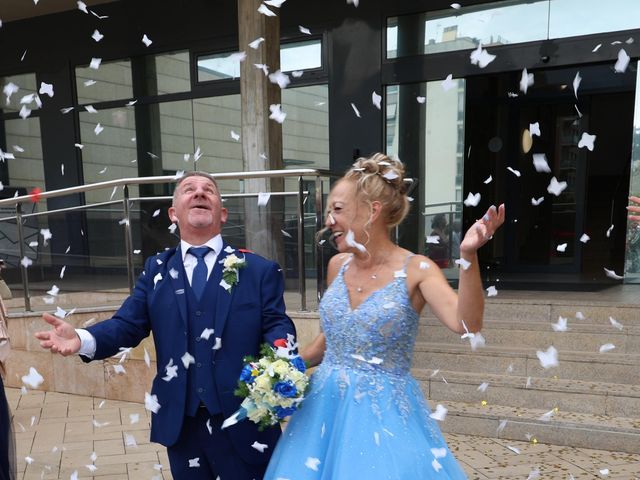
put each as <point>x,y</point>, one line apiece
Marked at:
<point>482,231</point>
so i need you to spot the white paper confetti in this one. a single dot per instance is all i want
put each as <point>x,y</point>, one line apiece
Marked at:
<point>491,291</point>
<point>472,200</point>
<point>534,129</point>
<point>171,371</point>
<point>562,247</point>
<point>420,99</point>
<point>576,84</point>
<point>95,63</point>
<point>481,57</point>
<point>514,171</point>
<point>33,379</point>
<point>194,462</point>
<point>98,130</point>
<point>612,274</point>
<point>355,110</point>
<point>439,414</point>
<point>282,79</point>
<point>556,187</point>
<point>146,40</point>
<point>607,347</point>
<point>276,113</point>
<point>261,447</point>
<point>464,264</point>
<point>526,80</point>
<point>587,140</point>
<point>585,238</point>
<point>312,463</point>
<point>540,163</point>
<point>265,11</point>
<point>375,99</point>
<point>256,43</point>
<point>537,201</point>
<point>488,180</point>
<point>623,61</point>
<point>448,83</point>
<point>561,325</point>
<point>151,402</point>
<point>548,358</point>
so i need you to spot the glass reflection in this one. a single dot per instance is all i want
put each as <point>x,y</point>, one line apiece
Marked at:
<point>112,81</point>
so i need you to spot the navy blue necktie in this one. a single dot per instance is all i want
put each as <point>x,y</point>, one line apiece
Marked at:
<point>199,278</point>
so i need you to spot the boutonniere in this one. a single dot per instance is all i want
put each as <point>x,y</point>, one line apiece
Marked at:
<point>231,271</point>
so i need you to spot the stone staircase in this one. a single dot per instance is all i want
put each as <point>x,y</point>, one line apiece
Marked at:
<point>590,400</point>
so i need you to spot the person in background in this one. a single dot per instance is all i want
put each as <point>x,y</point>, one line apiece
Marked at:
<point>439,252</point>
<point>7,439</point>
<point>634,210</point>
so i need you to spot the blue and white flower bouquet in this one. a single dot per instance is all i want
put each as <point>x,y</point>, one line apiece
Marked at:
<point>273,386</point>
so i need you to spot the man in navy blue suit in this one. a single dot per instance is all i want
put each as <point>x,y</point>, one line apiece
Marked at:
<point>203,325</point>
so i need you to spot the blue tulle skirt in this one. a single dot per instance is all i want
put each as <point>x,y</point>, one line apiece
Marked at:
<point>362,425</point>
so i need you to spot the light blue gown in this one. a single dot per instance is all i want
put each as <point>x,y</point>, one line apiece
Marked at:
<point>365,417</point>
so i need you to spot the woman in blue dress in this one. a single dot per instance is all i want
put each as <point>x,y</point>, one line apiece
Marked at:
<point>365,416</point>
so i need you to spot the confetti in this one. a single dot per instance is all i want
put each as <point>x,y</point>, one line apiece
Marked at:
<point>607,347</point>
<point>540,163</point>
<point>481,57</point>
<point>375,99</point>
<point>276,113</point>
<point>587,140</point>
<point>556,187</point>
<point>98,130</point>
<point>304,30</point>
<point>623,62</point>
<point>613,275</point>
<point>472,200</point>
<point>514,171</point>
<point>488,180</point>
<point>355,110</point>
<point>439,414</point>
<point>97,36</point>
<point>615,323</point>
<point>261,447</point>
<point>585,238</point>
<point>33,379</point>
<point>312,463</point>
<point>576,84</point>
<point>256,43</point>
<point>265,11</point>
<point>537,201</point>
<point>194,462</point>
<point>171,371</point>
<point>448,83</point>
<point>491,291</point>
<point>534,129</point>
<point>263,198</point>
<point>562,247</point>
<point>235,136</point>
<point>548,358</point>
<point>561,326</point>
<point>146,40</point>
<point>95,63</point>
<point>46,89</point>
<point>526,80</point>
<point>151,402</point>
<point>282,79</point>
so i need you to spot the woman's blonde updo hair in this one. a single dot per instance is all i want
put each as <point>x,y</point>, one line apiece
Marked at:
<point>381,178</point>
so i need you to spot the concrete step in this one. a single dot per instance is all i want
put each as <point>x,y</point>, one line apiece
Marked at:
<point>548,310</point>
<point>580,336</point>
<point>594,367</point>
<point>563,428</point>
<point>597,398</point>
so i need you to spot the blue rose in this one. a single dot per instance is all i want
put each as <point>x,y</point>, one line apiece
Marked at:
<point>299,364</point>
<point>245,375</point>
<point>286,389</point>
<point>284,412</point>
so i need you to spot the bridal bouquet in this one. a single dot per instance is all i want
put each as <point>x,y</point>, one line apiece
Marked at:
<point>273,386</point>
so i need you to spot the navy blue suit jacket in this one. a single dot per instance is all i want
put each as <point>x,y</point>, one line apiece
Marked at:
<point>251,314</point>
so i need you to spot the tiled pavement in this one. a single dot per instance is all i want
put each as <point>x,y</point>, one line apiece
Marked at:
<point>59,433</point>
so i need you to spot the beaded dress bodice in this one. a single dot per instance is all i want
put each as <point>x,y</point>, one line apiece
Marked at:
<point>377,335</point>
<point>372,343</point>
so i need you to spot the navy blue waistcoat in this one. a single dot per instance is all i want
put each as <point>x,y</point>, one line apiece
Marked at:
<point>201,387</point>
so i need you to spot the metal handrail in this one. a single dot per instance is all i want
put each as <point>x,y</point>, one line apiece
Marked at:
<point>301,195</point>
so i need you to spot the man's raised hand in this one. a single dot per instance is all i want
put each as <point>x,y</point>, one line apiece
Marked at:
<point>62,338</point>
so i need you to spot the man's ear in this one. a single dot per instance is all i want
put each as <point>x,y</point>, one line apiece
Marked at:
<point>172,215</point>
<point>224,214</point>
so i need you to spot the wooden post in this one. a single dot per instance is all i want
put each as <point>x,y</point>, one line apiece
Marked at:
<point>261,137</point>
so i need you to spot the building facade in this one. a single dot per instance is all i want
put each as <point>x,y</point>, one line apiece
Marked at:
<point>151,88</point>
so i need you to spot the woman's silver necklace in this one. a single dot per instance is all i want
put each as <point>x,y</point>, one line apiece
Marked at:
<point>373,276</point>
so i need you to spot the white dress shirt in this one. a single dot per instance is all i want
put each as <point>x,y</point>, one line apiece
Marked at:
<point>88,341</point>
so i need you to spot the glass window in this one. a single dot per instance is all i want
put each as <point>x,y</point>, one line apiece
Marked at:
<point>501,23</point>
<point>219,66</point>
<point>632,250</point>
<point>172,73</point>
<point>111,81</point>
<point>497,23</point>
<point>111,153</point>
<point>305,131</point>
<point>437,151</point>
<point>26,84</point>
<point>301,55</point>
<point>568,18</point>
<point>293,56</point>
<point>27,169</point>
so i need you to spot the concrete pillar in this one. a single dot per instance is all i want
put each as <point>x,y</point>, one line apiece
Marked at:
<point>261,137</point>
